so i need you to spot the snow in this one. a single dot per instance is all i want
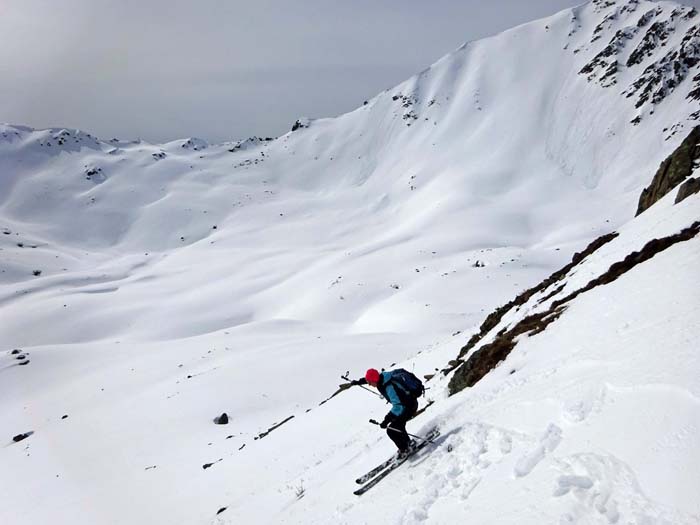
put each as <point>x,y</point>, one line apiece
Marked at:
<point>182,280</point>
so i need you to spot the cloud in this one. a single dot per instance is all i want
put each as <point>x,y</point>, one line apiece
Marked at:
<point>223,70</point>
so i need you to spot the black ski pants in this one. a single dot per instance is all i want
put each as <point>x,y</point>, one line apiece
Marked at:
<point>396,430</point>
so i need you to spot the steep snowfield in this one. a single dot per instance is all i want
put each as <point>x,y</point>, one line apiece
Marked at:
<point>587,422</point>
<point>182,280</point>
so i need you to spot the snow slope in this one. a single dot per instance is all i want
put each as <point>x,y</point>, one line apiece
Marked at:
<point>594,420</point>
<point>152,287</point>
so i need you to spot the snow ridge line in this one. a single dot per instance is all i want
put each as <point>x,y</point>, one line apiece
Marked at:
<point>490,355</point>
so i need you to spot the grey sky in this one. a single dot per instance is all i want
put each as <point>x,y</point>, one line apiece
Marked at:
<point>222,70</point>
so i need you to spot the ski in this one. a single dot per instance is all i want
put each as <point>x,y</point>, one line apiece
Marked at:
<point>376,470</point>
<point>389,462</point>
<point>378,473</point>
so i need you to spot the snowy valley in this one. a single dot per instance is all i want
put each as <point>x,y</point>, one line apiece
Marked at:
<point>145,289</point>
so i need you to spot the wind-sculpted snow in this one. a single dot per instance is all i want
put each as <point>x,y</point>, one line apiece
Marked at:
<point>146,288</point>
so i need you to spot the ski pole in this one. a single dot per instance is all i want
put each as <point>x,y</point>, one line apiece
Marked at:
<point>363,387</point>
<point>397,430</point>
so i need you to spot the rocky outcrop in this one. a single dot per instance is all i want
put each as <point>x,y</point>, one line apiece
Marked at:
<point>490,355</point>
<point>660,78</point>
<point>687,189</point>
<point>647,47</point>
<point>674,170</point>
<point>301,123</point>
<point>494,318</point>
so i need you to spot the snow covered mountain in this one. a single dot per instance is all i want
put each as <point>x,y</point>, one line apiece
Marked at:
<point>146,289</point>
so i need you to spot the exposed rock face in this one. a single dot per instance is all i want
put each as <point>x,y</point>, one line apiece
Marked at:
<point>490,355</point>
<point>494,318</point>
<point>661,78</point>
<point>688,188</point>
<point>644,44</point>
<point>674,170</point>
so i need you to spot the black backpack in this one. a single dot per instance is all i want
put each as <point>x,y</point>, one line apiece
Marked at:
<point>408,382</point>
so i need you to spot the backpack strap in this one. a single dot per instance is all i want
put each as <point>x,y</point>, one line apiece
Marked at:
<point>404,395</point>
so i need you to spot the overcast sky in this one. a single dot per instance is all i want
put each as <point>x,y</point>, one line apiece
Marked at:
<point>224,69</point>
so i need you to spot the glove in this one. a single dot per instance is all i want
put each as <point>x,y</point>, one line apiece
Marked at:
<point>356,382</point>
<point>387,419</point>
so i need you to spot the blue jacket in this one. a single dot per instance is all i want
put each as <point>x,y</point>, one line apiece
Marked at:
<point>392,394</point>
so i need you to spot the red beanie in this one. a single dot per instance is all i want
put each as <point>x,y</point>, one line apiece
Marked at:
<point>372,376</point>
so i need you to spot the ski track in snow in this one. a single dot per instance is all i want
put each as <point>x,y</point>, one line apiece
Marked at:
<point>455,474</point>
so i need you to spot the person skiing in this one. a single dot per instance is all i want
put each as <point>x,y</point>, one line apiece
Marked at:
<point>402,392</point>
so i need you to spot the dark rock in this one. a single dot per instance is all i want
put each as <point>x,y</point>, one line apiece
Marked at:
<point>65,416</point>
<point>222,419</point>
<point>16,351</point>
<point>606,60</point>
<point>21,363</point>
<point>674,170</point>
<point>221,510</point>
<point>687,189</point>
<point>644,20</point>
<point>300,124</point>
<point>661,77</point>
<point>207,465</point>
<point>650,249</point>
<point>490,355</point>
<point>36,273</point>
<point>20,437</point>
<point>656,34</point>
<point>495,317</point>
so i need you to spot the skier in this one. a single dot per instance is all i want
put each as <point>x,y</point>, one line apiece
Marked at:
<point>401,389</point>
